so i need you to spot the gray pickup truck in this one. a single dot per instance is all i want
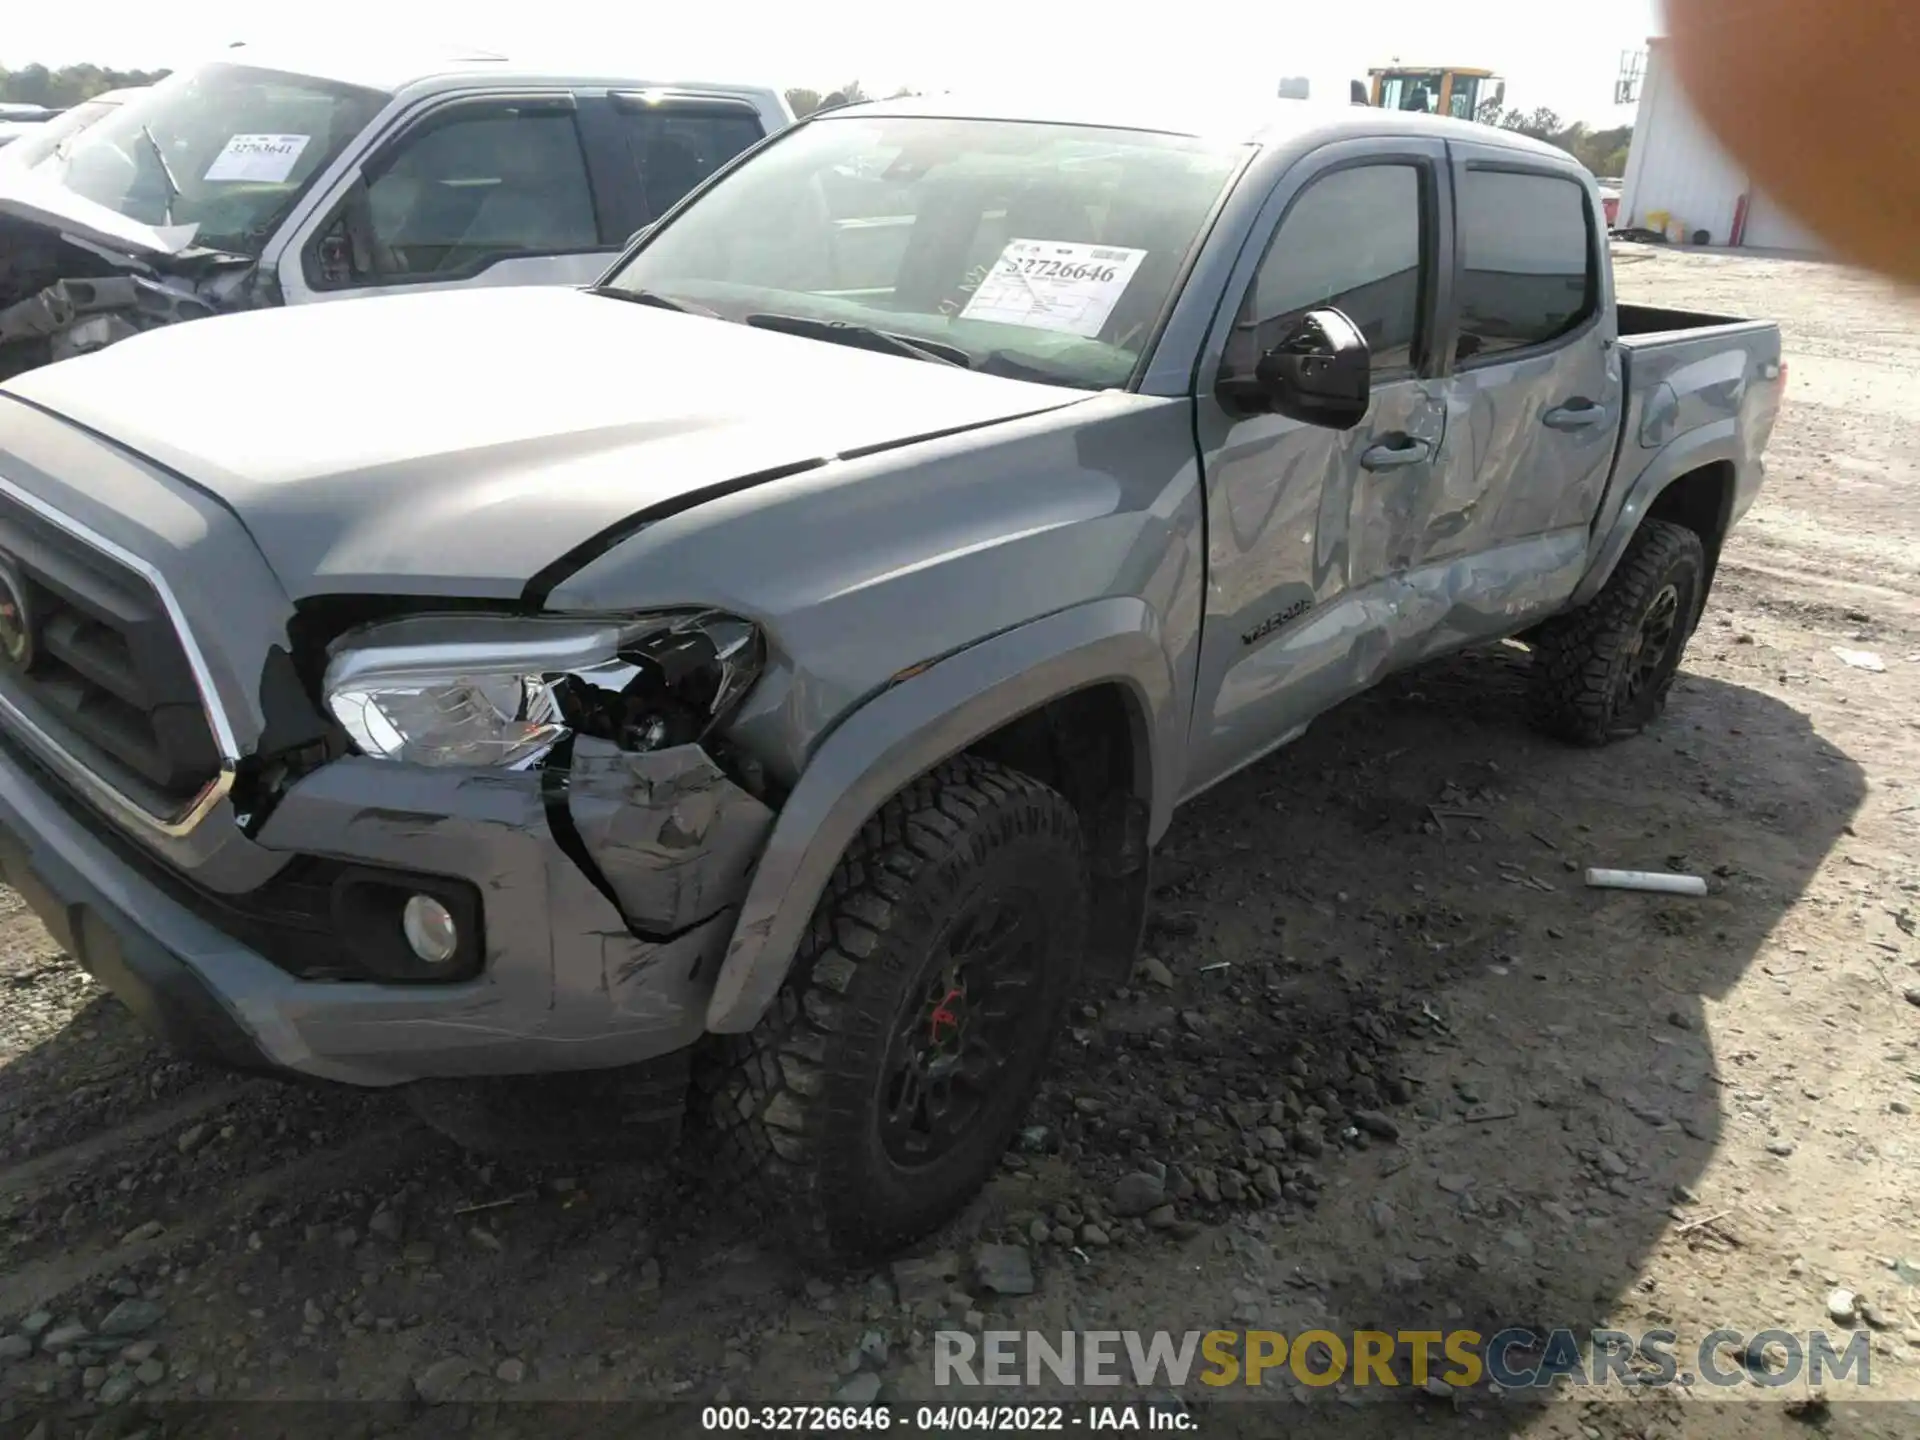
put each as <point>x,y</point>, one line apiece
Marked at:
<point>765,674</point>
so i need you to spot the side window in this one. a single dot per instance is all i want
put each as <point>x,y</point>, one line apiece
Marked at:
<point>675,146</point>
<point>481,185</point>
<point>1352,241</point>
<point>1528,271</point>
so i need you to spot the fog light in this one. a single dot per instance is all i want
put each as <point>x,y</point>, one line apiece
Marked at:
<point>429,929</point>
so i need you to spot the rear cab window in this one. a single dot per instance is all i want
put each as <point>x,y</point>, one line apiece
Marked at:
<point>674,144</point>
<point>1529,267</point>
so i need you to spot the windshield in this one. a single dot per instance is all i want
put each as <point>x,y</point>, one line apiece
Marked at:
<point>225,148</point>
<point>1042,251</point>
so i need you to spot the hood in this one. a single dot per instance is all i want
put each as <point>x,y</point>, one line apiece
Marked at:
<point>28,195</point>
<point>458,443</point>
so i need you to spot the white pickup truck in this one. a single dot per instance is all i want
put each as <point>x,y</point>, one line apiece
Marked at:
<point>245,183</point>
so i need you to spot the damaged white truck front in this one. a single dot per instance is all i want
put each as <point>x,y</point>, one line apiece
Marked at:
<point>242,185</point>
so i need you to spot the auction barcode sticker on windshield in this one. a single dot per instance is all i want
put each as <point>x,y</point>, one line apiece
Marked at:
<point>1054,285</point>
<point>267,159</point>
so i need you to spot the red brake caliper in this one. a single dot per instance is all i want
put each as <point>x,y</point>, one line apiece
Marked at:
<point>943,1014</point>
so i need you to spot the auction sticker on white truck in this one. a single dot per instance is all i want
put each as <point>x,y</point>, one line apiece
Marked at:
<point>265,159</point>
<point>1054,285</point>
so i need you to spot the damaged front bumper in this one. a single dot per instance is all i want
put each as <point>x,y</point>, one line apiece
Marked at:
<point>565,981</point>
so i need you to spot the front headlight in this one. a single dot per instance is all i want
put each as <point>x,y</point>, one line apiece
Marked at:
<point>502,690</point>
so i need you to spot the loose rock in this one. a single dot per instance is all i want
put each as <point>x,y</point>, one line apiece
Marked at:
<point>1842,1306</point>
<point>510,1372</point>
<point>130,1317</point>
<point>1004,1269</point>
<point>145,1230</point>
<point>192,1138</point>
<point>862,1389</point>
<point>64,1337</point>
<point>150,1372</point>
<point>15,1347</point>
<point>115,1388</point>
<point>436,1384</point>
<point>1138,1193</point>
<point>1377,1124</point>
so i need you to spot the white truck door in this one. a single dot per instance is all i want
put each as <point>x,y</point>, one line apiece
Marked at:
<point>480,191</point>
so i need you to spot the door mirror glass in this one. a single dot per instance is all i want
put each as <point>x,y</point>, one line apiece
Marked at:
<point>1321,372</point>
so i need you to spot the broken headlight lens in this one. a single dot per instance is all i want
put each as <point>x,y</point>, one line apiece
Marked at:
<point>503,690</point>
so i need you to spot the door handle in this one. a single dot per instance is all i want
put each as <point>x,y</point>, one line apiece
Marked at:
<point>1575,415</point>
<point>1404,450</point>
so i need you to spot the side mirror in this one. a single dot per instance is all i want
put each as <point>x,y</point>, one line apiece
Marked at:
<point>637,236</point>
<point>1320,373</point>
<point>1357,92</point>
<point>1500,93</point>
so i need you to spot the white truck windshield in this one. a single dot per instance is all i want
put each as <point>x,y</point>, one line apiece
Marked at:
<point>1037,250</point>
<point>225,148</point>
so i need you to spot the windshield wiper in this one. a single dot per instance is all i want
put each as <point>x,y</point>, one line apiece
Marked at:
<point>652,297</point>
<point>865,337</point>
<point>166,170</point>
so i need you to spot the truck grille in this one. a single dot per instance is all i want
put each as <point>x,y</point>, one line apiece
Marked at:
<point>89,654</point>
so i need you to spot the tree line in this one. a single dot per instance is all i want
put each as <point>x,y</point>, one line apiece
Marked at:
<point>69,85</point>
<point>1604,152</point>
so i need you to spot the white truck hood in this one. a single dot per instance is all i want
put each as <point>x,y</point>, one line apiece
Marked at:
<point>28,195</point>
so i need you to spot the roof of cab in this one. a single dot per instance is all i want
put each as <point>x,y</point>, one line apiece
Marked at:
<point>391,70</point>
<point>1264,122</point>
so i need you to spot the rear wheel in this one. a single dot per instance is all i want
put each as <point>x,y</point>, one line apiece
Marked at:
<point>878,1092</point>
<point>1602,672</point>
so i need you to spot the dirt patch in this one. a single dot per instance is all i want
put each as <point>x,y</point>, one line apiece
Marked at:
<point>1391,1065</point>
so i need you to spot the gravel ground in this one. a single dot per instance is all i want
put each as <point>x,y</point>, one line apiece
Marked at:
<point>1389,1066</point>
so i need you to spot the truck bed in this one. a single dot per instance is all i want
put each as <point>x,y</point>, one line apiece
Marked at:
<point>1652,323</point>
<point>1689,376</point>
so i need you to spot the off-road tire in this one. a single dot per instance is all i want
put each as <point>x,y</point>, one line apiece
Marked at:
<point>796,1108</point>
<point>1585,662</point>
<point>635,1113</point>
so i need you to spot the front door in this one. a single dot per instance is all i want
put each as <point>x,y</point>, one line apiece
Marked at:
<point>477,192</point>
<point>1306,525</point>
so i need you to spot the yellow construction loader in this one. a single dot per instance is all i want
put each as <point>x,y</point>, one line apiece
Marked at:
<point>1447,90</point>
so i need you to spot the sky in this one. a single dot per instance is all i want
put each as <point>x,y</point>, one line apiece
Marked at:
<point>823,43</point>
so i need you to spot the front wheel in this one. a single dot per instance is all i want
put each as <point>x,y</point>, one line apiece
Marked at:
<point>878,1092</point>
<point>1602,672</point>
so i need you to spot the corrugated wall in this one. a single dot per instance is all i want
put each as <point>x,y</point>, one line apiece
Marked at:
<point>1675,165</point>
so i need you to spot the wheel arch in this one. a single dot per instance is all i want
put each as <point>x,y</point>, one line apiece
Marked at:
<point>1083,699</point>
<point>1692,482</point>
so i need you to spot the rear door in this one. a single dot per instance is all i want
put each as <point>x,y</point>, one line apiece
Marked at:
<point>1534,401</point>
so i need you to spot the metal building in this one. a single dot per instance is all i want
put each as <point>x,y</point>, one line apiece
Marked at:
<point>1681,182</point>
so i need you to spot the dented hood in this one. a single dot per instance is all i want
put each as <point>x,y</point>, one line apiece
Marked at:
<point>29,195</point>
<point>457,443</point>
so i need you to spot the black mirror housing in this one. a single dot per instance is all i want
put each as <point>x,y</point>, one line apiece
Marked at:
<point>1321,373</point>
